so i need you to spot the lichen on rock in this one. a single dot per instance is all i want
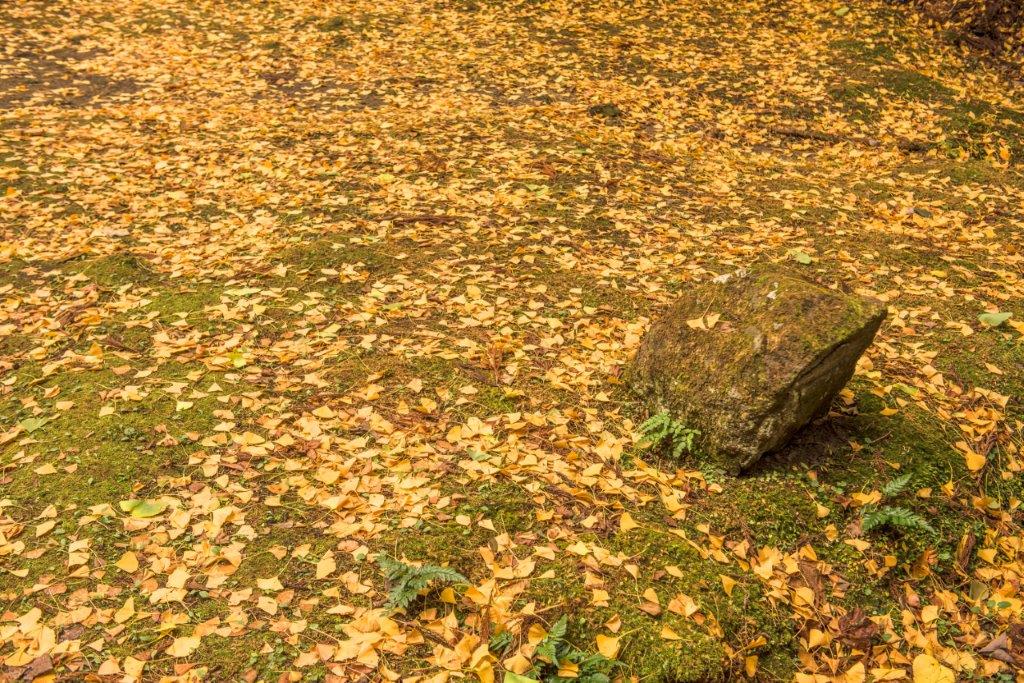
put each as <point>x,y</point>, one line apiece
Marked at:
<point>750,358</point>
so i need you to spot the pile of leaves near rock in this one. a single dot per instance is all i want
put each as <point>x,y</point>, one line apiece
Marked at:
<point>996,26</point>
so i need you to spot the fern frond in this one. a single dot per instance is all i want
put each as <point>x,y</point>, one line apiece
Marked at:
<point>661,428</point>
<point>391,567</point>
<point>406,581</point>
<point>554,650</point>
<point>500,642</point>
<point>682,438</point>
<point>427,574</point>
<point>656,427</point>
<point>557,631</point>
<point>896,517</point>
<point>896,486</point>
<point>553,642</point>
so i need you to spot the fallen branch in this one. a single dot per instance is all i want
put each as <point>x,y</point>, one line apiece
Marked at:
<point>902,144</point>
<point>425,218</point>
<point>806,134</point>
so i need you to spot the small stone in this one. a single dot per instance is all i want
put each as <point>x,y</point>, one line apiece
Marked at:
<point>605,109</point>
<point>750,358</point>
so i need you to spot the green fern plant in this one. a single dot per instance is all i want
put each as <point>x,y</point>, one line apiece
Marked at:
<point>896,486</point>
<point>554,651</point>
<point>661,429</point>
<point>406,581</point>
<point>893,516</point>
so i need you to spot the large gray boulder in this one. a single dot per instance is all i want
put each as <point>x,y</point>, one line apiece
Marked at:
<point>750,358</point>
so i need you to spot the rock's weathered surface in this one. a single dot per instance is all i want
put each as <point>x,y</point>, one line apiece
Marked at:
<point>752,357</point>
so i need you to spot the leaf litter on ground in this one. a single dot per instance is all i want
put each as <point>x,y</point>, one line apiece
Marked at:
<point>289,287</point>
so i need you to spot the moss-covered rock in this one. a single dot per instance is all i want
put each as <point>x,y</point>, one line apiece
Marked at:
<point>750,358</point>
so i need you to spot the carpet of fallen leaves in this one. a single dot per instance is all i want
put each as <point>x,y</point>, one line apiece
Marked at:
<point>288,285</point>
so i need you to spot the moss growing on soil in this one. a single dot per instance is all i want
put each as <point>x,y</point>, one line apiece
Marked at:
<point>113,271</point>
<point>772,508</point>
<point>506,506</point>
<point>101,458</point>
<point>699,654</point>
<point>913,85</point>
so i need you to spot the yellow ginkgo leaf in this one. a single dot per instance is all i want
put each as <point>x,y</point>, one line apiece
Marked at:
<point>608,646</point>
<point>927,669</point>
<point>975,461</point>
<point>128,562</point>
<point>627,523</point>
<point>326,565</point>
<point>669,634</point>
<point>183,647</point>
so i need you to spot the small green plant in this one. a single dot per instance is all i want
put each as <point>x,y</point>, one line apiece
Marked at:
<point>552,655</point>
<point>893,516</point>
<point>896,486</point>
<point>661,429</point>
<point>500,642</point>
<point>406,581</point>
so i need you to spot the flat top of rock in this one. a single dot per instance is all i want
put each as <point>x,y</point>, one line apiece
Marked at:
<point>749,314</point>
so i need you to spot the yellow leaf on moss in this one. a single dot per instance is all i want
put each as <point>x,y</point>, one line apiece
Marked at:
<point>126,612</point>
<point>183,647</point>
<point>608,646</point>
<point>128,562</point>
<point>326,565</point>
<point>927,669</point>
<point>627,523</point>
<point>750,665</point>
<point>975,461</point>
<point>668,634</point>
